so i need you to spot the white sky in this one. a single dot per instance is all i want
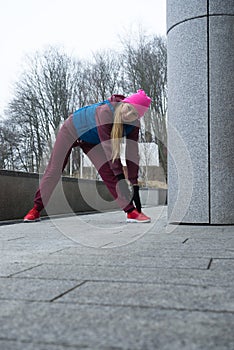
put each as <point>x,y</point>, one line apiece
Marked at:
<point>79,26</point>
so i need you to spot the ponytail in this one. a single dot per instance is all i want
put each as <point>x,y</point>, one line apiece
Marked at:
<point>123,109</point>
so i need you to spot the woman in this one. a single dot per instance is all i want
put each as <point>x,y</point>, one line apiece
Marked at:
<point>98,129</point>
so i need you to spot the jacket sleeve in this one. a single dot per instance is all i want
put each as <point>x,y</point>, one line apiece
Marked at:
<point>104,120</point>
<point>132,155</point>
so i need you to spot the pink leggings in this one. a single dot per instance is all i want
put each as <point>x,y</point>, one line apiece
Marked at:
<point>65,141</point>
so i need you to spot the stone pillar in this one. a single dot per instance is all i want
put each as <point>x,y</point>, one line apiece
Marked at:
<point>200,111</point>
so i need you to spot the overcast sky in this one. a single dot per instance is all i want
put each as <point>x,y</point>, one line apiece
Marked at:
<point>79,26</point>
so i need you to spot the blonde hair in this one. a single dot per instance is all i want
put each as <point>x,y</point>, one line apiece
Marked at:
<point>122,110</point>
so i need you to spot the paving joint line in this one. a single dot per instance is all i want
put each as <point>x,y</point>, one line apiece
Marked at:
<point>15,239</point>
<point>209,265</point>
<point>125,266</point>
<point>118,281</point>
<point>25,341</point>
<point>149,307</point>
<point>67,291</point>
<point>30,268</point>
<point>131,306</point>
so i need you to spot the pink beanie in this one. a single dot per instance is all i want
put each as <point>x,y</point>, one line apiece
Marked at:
<point>140,101</point>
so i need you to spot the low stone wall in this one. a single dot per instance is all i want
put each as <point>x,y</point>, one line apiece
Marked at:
<point>17,190</point>
<point>72,195</point>
<point>153,196</point>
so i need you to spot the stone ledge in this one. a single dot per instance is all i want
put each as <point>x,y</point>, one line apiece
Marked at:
<point>72,195</point>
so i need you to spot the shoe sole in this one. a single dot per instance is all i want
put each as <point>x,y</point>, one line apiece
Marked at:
<point>27,220</point>
<point>134,220</point>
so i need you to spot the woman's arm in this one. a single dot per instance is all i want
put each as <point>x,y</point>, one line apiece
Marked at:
<point>132,155</point>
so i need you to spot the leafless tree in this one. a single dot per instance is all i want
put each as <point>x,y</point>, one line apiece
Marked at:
<point>44,96</point>
<point>104,73</point>
<point>145,65</point>
<point>10,144</point>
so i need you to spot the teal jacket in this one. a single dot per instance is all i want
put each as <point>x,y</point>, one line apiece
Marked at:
<point>94,124</point>
<point>84,120</point>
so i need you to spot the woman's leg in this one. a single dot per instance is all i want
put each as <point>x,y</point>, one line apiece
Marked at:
<point>62,148</point>
<point>98,158</point>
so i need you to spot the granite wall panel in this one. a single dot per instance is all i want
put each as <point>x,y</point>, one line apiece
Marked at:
<point>183,10</point>
<point>222,7</point>
<point>201,111</point>
<point>221,67</point>
<point>188,122</point>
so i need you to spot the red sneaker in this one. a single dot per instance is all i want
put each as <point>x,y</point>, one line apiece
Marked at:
<point>33,215</point>
<point>134,216</point>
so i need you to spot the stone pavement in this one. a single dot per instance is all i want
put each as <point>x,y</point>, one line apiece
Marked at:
<point>95,282</point>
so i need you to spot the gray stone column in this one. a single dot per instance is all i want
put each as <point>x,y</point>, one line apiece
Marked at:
<point>201,111</point>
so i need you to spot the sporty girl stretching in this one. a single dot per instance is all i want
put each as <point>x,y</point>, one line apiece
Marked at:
<point>98,129</point>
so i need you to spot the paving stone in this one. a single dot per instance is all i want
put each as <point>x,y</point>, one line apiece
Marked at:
<point>142,261</point>
<point>153,250</point>
<point>34,289</point>
<point>7,269</point>
<point>131,274</point>
<point>101,327</point>
<point>153,295</point>
<point>222,264</point>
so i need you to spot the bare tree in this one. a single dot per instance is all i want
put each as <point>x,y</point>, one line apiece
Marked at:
<point>5,148</point>
<point>44,96</point>
<point>145,66</point>
<point>104,75</point>
<point>10,143</point>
